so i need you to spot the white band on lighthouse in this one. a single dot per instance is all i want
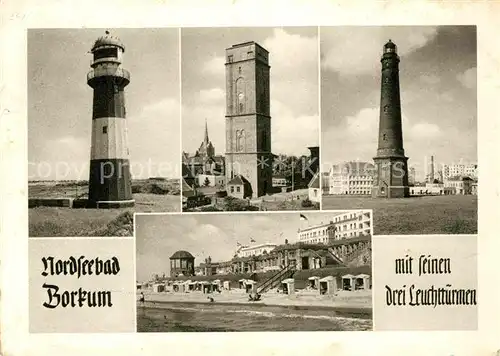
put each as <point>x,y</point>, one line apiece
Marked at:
<point>109,138</point>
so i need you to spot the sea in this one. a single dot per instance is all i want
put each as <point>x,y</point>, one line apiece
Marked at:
<point>191,317</point>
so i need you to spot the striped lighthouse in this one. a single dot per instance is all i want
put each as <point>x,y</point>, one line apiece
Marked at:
<point>110,179</point>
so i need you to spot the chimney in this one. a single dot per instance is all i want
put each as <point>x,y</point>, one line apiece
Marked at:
<point>432,170</point>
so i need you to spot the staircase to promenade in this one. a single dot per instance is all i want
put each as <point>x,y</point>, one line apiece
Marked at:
<point>349,258</point>
<point>335,256</point>
<point>276,279</point>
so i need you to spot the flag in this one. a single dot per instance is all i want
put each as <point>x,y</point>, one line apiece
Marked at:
<point>302,217</point>
<point>252,240</point>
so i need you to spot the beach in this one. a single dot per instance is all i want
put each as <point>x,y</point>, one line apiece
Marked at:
<point>361,300</point>
<point>232,311</point>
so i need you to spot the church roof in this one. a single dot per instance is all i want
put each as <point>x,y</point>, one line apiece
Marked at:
<point>200,160</point>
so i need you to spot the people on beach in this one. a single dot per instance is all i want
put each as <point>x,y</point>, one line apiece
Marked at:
<point>141,299</point>
<point>254,298</point>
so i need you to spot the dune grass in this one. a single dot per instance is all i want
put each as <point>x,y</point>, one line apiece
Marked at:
<point>65,222</point>
<point>450,214</point>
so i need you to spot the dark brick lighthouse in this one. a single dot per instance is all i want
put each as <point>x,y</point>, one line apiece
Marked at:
<point>110,180</point>
<point>391,170</point>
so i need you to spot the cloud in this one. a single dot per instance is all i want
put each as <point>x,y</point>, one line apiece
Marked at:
<point>154,140</point>
<point>215,66</point>
<point>424,130</point>
<point>447,96</point>
<point>292,134</point>
<point>294,71</point>
<point>67,158</point>
<point>356,137</point>
<point>193,125</point>
<point>468,78</point>
<point>213,95</point>
<point>292,52</point>
<point>352,51</point>
<point>430,79</point>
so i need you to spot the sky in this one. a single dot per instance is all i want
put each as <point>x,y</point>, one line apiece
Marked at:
<point>216,235</point>
<point>438,93</point>
<point>294,59</point>
<point>60,101</point>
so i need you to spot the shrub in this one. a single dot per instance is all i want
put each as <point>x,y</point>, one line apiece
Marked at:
<point>149,188</point>
<point>122,225</point>
<point>306,203</point>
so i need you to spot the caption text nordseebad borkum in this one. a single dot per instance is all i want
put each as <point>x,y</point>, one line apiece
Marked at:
<point>76,268</point>
<point>431,295</point>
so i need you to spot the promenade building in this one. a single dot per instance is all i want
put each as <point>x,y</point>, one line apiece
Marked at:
<point>255,250</point>
<point>461,185</point>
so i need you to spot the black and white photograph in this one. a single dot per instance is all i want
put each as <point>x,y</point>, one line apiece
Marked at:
<point>250,119</point>
<point>399,126</point>
<point>275,271</point>
<point>103,129</point>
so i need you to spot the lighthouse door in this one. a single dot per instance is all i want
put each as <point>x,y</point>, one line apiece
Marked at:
<point>383,189</point>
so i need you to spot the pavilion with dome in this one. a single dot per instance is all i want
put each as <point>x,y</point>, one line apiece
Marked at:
<point>181,264</point>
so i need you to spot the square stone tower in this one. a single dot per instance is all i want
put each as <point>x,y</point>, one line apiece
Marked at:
<point>248,120</point>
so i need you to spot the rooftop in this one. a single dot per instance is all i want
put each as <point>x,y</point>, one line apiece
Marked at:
<point>238,180</point>
<point>248,43</point>
<point>181,254</point>
<point>108,40</point>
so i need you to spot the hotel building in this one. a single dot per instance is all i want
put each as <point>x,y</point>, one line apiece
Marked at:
<point>256,250</point>
<point>454,170</point>
<point>352,178</point>
<point>342,226</point>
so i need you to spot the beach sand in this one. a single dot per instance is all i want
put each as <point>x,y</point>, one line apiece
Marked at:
<point>357,300</point>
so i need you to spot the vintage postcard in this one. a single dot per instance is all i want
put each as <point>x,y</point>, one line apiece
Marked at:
<point>267,178</point>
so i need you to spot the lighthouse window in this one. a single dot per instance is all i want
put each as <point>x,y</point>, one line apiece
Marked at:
<point>387,80</point>
<point>230,59</point>
<point>386,108</point>
<point>106,53</point>
<point>241,108</point>
<point>239,70</point>
<point>104,129</point>
<point>385,137</point>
